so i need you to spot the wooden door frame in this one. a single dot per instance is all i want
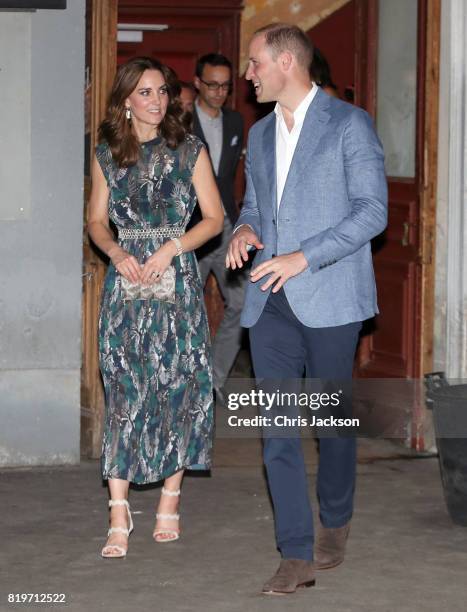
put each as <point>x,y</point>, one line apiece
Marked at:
<point>429,180</point>
<point>103,66</point>
<point>429,33</point>
<point>104,58</point>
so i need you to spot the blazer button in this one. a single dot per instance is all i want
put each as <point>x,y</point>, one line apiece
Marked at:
<point>274,222</point>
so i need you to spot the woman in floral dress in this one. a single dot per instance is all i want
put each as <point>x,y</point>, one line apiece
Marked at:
<point>154,349</point>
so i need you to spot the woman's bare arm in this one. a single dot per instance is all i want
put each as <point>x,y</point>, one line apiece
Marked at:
<point>210,204</point>
<point>99,229</point>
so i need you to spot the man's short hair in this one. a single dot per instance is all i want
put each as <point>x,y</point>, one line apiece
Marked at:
<point>212,59</point>
<point>187,85</point>
<point>281,37</point>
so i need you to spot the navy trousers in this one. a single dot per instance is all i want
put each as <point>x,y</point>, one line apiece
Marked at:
<point>283,348</point>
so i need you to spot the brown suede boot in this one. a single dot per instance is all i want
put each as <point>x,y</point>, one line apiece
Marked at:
<point>292,574</point>
<point>329,548</point>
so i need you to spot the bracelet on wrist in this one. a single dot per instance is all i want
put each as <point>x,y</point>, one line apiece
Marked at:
<point>178,245</point>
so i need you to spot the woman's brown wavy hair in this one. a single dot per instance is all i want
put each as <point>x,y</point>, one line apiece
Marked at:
<point>116,128</point>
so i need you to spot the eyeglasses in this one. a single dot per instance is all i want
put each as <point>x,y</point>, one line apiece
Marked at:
<point>213,86</point>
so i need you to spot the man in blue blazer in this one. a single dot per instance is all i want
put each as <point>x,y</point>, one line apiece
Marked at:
<point>316,195</point>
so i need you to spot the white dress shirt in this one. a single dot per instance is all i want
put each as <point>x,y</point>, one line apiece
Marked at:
<point>286,141</point>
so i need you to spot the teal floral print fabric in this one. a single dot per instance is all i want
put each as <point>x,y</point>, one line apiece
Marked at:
<point>154,355</point>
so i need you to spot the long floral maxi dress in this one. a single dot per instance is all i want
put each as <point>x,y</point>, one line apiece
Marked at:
<point>154,355</point>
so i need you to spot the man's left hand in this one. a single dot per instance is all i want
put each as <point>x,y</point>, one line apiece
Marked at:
<point>281,268</point>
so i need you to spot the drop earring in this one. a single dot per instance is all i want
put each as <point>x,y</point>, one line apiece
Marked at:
<point>128,113</point>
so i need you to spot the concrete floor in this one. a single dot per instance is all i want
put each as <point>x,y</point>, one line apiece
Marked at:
<point>403,554</point>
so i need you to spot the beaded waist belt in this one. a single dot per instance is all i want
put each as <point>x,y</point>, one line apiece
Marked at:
<point>156,232</point>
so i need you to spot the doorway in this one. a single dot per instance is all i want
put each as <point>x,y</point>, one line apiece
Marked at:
<point>398,343</point>
<point>378,52</point>
<point>177,33</point>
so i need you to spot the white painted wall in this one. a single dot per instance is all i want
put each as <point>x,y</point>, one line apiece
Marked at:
<point>41,246</point>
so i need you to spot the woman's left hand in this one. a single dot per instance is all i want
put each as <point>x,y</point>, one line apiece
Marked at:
<point>158,263</point>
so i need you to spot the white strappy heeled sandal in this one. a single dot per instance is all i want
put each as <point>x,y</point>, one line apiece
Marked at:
<point>121,552</point>
<point>173,533</point>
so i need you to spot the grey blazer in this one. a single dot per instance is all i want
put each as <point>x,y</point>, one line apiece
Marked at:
<point>334,202</point>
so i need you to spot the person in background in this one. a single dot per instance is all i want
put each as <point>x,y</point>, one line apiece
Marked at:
<point>187,96</point>
<point>349,94</point>
<point>321,73</point>
<point>221,129</point>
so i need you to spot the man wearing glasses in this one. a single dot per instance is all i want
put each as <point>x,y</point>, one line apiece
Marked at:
<point>221,129</point>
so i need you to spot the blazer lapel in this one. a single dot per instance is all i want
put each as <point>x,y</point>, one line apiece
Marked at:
<point>226,138</point>
<point>197,129</point>
<point>313,128</point>
<point>269,150</point>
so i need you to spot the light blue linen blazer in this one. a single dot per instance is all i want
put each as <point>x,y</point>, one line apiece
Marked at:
<point>334,202</point>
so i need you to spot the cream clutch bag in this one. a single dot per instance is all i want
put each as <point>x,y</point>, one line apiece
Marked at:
<point>163,289</point>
